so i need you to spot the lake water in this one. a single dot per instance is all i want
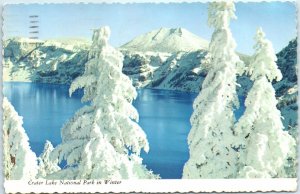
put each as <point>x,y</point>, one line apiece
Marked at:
<point>164,116</point>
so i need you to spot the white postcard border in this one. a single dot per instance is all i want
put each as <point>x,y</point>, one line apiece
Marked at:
<point>127,1</point>
<point>154,186</point>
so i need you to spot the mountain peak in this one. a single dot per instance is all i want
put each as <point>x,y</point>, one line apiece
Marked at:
<point>167,40</point>
<point>177,31</point>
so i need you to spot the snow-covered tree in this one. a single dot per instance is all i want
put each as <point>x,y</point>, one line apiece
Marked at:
<point>46,165</point>
<point>19,160</point>
<point>265,146</point>
<point>211,137</point>
<point>103,140</point>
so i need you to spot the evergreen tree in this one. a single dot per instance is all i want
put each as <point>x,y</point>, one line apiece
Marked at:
<point>102,140</point>
<point>19,161</point>
<point>211,137</point>
<point>46,165</point>
<point>265,146</point>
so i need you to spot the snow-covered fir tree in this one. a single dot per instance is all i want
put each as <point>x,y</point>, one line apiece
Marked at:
<point>102,140</point>
<point>265,146</point>
<point>211,137</point>
<point>20,161</point>
<point>46,165</point>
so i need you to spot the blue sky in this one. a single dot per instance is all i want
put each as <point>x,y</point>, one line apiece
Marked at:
<point>278,20</point>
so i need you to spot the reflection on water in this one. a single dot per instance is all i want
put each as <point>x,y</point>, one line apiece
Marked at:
<point>44,108</point>
<point>164,115</point>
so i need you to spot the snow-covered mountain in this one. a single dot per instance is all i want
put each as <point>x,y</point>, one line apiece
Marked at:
<point>168,40</point>
<point>43,61</point>
<point>175,71</point>
<point>61,62</point>
<point>287,88</point>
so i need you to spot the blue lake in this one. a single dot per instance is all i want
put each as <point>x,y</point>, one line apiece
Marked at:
<point>164,116</point>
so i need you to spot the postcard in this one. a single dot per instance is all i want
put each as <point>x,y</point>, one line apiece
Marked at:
<point>150,97</point>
